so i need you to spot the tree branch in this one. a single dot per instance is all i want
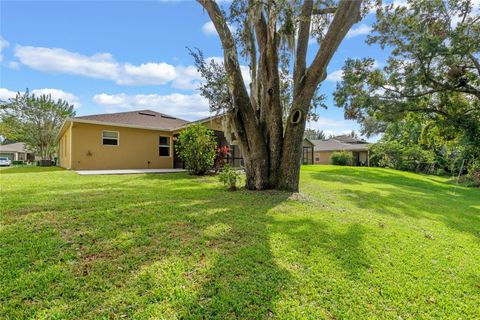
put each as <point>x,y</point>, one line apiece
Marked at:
<point>324,10</point>
<point>259,22</point>
<point>475,62</point>
<point>302,43</point>
<point>347,14</point>
<point>232,66</point>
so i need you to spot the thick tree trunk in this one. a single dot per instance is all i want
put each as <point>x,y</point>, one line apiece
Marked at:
<point>271,152</point>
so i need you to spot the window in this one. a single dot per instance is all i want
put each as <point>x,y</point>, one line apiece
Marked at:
<point>164,147</point>
<point>110,138</point>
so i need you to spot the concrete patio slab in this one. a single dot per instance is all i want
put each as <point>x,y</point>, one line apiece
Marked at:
<point>126,171</point>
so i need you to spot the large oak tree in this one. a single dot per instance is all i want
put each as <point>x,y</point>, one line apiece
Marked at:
<point>433,70</point>
<point>274,37</point>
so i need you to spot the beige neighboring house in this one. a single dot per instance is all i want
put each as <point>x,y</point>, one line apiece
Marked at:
<point>325,148</point>
<point>142,139</point>
<point>16,152</point>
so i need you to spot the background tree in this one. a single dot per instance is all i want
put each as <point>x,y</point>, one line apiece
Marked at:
<point>313,134</point>
<point>433,70</point>
<point>269,117</point>
<point>418,143</point>
<point>34,120</point>
<point>197,147</point>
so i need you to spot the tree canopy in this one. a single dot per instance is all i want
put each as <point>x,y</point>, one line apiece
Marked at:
<point>433,69</point>
<point>313,134</point>
<point>34,120</point>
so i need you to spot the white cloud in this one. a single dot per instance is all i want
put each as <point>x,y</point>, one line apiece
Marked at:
<point>190,107</point>
<point>333,126</point>
<point>3,44</point>
<point>335,76</point>
<point>59,94</point>
<point>104,66</point>
<point>146,74</point>
<point>187,78</point>
<point>100,65</point>
<point>56,94</point>
<point>6,94</point>
<point>358,31</point>
<point>209,29</point>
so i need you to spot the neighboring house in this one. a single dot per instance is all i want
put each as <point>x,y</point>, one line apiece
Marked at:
<point>16,152</point>
<point>137,140</point>
<point>325,148</point>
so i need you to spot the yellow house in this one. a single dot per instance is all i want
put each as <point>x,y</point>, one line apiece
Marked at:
<point>127,140</point>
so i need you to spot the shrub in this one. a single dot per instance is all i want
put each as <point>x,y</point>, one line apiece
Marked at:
<point>394,155</point>
<point>220,158</point>
<point>441,172</point>
<point>229,177</point>
<point>197,148</point>
<point>474,167</point>
<point>342,158</point>
<point>473,176</point>
<point>18,162</point>
<point>470,180</point>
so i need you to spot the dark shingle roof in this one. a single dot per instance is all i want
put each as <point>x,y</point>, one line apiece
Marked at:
<point>14,147</point>
<point>141,118</point>
<point>335,145</point>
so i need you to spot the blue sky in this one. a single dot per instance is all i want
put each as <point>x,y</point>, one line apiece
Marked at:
<point>115,56</point>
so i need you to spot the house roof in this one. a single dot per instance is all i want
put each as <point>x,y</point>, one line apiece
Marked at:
<point>309,141</point>
<point>142,118</point>
<point>348,139</point>
<point>336,145</point>
<point>13,147</point>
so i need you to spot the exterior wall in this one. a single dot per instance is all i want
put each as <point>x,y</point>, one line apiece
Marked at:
<point>15,156</point>
<point>135,149</point>
<point>214,124</point>
<point>21,156</point>
<point>9,155</point>
<point>322,157</point>
<point>64,149</point>
<point>363,157</point>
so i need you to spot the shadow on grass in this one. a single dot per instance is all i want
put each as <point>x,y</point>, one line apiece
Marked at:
<point>398,194</point>
<point>344,249</point>
<point>180,248</point>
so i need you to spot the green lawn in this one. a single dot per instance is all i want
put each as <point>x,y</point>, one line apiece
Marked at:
<point>357,243</point>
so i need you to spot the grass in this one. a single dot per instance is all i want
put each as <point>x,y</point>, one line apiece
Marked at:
<point>357,243</point>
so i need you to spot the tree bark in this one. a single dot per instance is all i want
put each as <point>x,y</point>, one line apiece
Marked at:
<point>271,152</point>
